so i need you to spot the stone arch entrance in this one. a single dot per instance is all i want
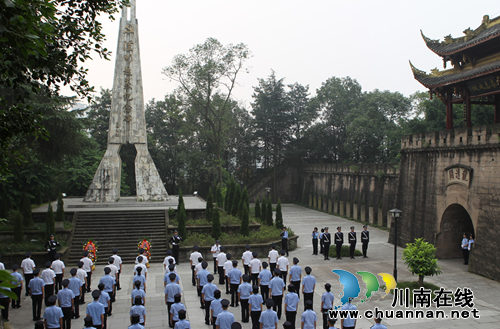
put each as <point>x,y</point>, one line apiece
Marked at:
<point>455,221</point>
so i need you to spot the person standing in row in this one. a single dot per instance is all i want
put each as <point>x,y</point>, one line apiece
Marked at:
<point>255,302</point>
<point>202,280</point>
<point>378,325</point>
<point>28,265</point>
<point>339,241</point>
<point>321,240</point>
<point>87,267</point>
<point>193,259</point>
<point>365,239</point>
<point>326,303</point>
<point>471,243</point>
<point>308,286</point>
<point>308,318</point>
<point>295,274</point>
<point>175,241</point>
<point>269,318</point>
<point>65,298</point>
<point>166,261</point>
<point>118,264</point>
<point>82,275</point>
<point>284,240</point>
<point>53,315</point>
<point>4,303</point>
<point>36,291</point>
<point>225,318</point>
<point>326,244</point>
<point>348,323</point>
<point>171,290</point>
<point>234,276</point>
<point>96,310</point>
<point>17,290</point>
<point>51,247</point>
<point>265,277</point>
<point>283,264</point>
<point>215,252</point>
<point>315,237</point>
<point>105,300</point>
<point>48,276</point>
<point>244,293</point>
<point>109,287</point>
<point>58,267</point>
<point>228,266</point>
<point>75,285</point>
<point>273,257</point>
<point>291,305</point>
<point>255,268</point>
<point>276,290</point>
<point>215,307</point>
<point>352,242</point>
<point>220,260</point>
<point>174,310</point>
<point>465,249</point>
<point>247,258</point>
<point>208,295</point>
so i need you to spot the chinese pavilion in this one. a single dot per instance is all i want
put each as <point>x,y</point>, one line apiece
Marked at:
<point>475,76</point>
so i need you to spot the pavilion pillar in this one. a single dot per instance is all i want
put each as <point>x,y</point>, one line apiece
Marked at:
<point>497,108</point>
<point>449,110</point>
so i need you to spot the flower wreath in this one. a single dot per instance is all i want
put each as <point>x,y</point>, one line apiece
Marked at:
<point>91,247</point>
<point>146,245</point>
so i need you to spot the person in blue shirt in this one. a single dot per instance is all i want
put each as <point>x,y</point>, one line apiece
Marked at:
<point>234,276</point>
<point>244,292</point>
<point>291,305</point>
<point>183,323</point>
<point>174,310</point>
<point>215,307</point>
<point>315,237</point>
<point>308,318</point>
<point>135,322</point>
<point>326,304</point>
<point>201,280</point>
<point>109,287</point>
<point>53,315</point>
<point>171,290</point>
<point>138,292</point>
<point>17,290</point>
<point>138,308</point>
<point>295,274</point>
<point>265,277</point>
<point>276,289</point>
<point>465,249</point>
<point>166,278</point>
<point>140,277</point>
<point>284,240</point>
<point>66,299</point>
<point>207,295</point>
<point>87,322</point>
<point>225,318</point>
<point>269,318</point>
<point>331,323</point>
<point>378,325</point>
<point>96,310</point>
<point>36,291</point>
<point>348,323</point>
<point>308,285</point>
<point>75,285</point>
<point>105,300</point>
<point>255,302</point>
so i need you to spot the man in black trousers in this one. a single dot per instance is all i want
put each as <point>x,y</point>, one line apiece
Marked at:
<point>339,241</point>
<point>365,238</point>
<point>326,243</point>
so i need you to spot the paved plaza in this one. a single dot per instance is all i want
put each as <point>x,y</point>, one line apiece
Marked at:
<point>302,221</point>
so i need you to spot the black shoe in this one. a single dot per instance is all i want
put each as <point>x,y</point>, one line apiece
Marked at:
<point>207,323</point>
<point>365,256</point>
<point>76,316</point>
<point>231,305</point>
<point>352,257</point>
<point>118,288</point>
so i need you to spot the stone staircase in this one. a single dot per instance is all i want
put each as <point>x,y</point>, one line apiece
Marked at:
<point>119,229</point>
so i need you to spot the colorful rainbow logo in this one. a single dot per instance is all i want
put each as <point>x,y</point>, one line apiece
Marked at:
<point>352,288</point>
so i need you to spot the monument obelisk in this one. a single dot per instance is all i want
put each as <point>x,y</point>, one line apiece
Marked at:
<point>127,124</point>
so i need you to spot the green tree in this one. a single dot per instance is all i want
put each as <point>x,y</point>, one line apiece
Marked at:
<point>60,208</point>
<point>236,200</point>
<point>25,209</point>
<point>216,228</point>
<point>210,206</point>
<point>420,257</point>
<point>231,189</point>
<point>181,216</point>
<point>50,225</point>
<point>269,212</point>
<point>220,199</point>
<point>243,202</point>
<point>263,211</point>
<point>207,76</point>
<point>16,218</point>
<point>245,221</point>
<point>279,215</point>
<point>257,208</point>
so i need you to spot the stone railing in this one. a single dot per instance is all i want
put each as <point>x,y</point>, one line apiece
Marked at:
<point>349,169</point>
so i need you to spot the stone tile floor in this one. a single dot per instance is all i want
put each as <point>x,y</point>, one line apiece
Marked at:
<point>302,221</point>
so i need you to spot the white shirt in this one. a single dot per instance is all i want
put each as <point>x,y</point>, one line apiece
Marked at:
<point>273,256</point>
<point>247,257</point>
<point>255,265</point>
<point>81,274</point>
<point>144,269</point>
<point>48,276</point>
<point>194,257</point>
<point>114,270</point>
<point>58,266</point>
<point>215,248</point>
<point>28,265</point>
<point>2,266</point>
<point>165,261</point>
<point>118,261</point>
<point>87,264</point>
<point>145,260</point>
<point>221,259</point>
<point>198,267</point>
<point>283,263</point>
<point>228,265</point>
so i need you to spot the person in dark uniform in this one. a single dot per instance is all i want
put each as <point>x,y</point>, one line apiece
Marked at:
<point>352,242</point>
<point>284,240</point>
<point>51,247</point>
<point>175,240</point>
<point>315,238</point>
<point>339,241</point>
<point>326,243</point>
<point>365,238</point>
<point>321,241</point>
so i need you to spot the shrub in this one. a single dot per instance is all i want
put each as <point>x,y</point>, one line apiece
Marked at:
<point>236,201</point>
<point>216,228</point>
<point>257,208</point>
<point>244,228</point>
<point>220,199</point>
<point>279,216</point>
<point>344,253</point>
<point>25,210</point>
<point>15,217</point>
<point>181,216</point>
<point>420,257</point>
<point>50,225</point>
<point>269,213</point>
<point>60,209</point>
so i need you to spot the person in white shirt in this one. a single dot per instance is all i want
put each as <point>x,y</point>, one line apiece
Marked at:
<point>118,264</point>
<point>2,266</point>
<point>228,265</point>
<point>145,259</point>
<point>166,261</point>
<point>87,267</point>
<point>215,252</point>
<point>255,268</point>
<point>221,259</point>
<point>82,275</point>
<point>58,267</point>
<point>49,278</point>
<point>273,257</point>
<point>283,265</point>
<point>193,259</point>
<point>112,266</point>
<point>144,268</point>
<point>247,257</point>
<point>28,265</point>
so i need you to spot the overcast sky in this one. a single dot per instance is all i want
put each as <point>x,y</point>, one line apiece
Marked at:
<point>303,41</point>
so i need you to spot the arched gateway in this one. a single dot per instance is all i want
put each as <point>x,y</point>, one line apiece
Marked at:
<point>455,221</point>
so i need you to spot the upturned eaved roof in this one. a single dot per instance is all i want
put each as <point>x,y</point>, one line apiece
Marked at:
<point>488,30</point>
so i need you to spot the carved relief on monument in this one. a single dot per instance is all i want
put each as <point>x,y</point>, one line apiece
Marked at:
<point>458,174</point>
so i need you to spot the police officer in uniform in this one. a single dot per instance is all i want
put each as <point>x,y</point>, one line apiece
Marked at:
<point>365,238</point>
<point>352,242</point>
<point>326,243</point>
<point>339,241</point>
<point>51,247</point>
<point>175,240</point>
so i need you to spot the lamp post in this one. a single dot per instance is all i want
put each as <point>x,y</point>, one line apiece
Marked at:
<point>396,213</point>
<point>268,191</point>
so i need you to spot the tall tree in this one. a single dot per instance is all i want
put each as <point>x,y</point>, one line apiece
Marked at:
<point>25,210</point>
<point>245,221</point>
<point>220,199</point>
<point>181,216</point>
<point>50,225</point>
<point>269,212</point>
<point>60,208</point>
<point>207,76</point>
<point>279,215</point>
<point>257,208</point>
<point>210,206</point>
<point>216,229</point>
<point>236,200</point>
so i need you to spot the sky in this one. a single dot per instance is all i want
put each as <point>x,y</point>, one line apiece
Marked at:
<point>302,41</point>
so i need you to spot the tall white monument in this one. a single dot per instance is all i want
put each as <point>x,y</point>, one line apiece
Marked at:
<point>127,124</point>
